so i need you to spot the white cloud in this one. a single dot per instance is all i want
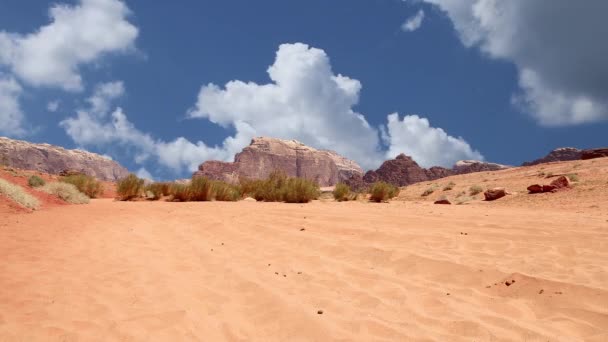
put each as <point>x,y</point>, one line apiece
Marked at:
<point>556,46</point>
<point>306,101</point>
<point>77,35</point>
<point>144,174</point>
<point>53,106</point>
<point>413,23</point>
<point>11,116</point>
<point>427,145</point>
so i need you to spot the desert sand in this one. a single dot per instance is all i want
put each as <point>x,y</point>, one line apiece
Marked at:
<point>324,271</point>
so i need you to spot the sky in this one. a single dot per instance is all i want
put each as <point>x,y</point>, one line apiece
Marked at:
<point>161,87</point>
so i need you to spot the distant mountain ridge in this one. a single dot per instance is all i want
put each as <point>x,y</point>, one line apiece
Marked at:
<point>54,160</point>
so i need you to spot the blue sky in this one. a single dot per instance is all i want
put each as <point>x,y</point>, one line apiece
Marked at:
<point>474,79</point>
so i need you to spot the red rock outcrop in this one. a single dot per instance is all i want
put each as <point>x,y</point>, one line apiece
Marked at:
<point>403,170</point>
<point>494,194</point>
<point>559,154</point>
<point>594,153</point>
<point>265,155</point>
<point>54,160</point>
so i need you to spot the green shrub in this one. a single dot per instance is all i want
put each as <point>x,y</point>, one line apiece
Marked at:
<point>342,192</point>
<point>475,189</point>
<point>35,181</point>
<point>573,177</point>
<point>155,191</point>
<point>226,192</point>
<point>67,192</point>
<point>18,194</point>
<point>382,192</point>
<point>449,186</point>
<point>278,187</point>
<point>180,192</point>
<point>429,191</point>
<point>85,184</point>
<point>130,188</point>
<point>300,190</point>
<point>200,190</point>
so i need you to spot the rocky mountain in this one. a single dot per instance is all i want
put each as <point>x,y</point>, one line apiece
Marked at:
<point>594,153</point>
<point>55,160</point>
<point>403,170</point>
<point>559,154</point>
<point>265,155</point>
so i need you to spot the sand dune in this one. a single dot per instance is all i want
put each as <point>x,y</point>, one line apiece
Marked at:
<point>261,272</point>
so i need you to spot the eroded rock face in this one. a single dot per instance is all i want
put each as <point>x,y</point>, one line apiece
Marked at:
<point>265,155</point>
<point>403,170</point>
<point>559,154</point>
<point>54,160</point>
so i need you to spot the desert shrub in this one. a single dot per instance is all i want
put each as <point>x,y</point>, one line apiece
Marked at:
<point>278,187</point>
<point>382,191</point>
<point>429,191</point>
<point>180,192</point>
<point>300,190</point>
<point>18,194</point>
<point>549,175</point>
<point>130,188</point>
<point>35,181</point>
<point>342,192</point>
<point>85,184</point>
<point>226,192</point>
<point>573,177</point>
<point>67,192</point>
<point>200,189</point>
<point>463,200</point>
<point>155,191</point>
<point>475,189</point>
<point>449,186</point>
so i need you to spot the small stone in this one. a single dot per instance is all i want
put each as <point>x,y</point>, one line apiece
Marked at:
<point>447,294</point>
<point>541,291</point>
<point>285,275</point>
<point>302,229</point>
<point>277,273</point>
<point>443,201</point>
<point>299,272</point>
<point>319,312</point>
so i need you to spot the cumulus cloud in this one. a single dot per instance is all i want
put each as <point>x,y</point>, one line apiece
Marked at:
<point>76,35</point>
<point>413,23</point>
<point>144,174</point>
<point>11,116</point>
<point>427,145</point>
<point>306,101</point>
<point>556,46</point>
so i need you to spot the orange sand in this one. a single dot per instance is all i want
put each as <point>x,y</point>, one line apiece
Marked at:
<point>404,271</point>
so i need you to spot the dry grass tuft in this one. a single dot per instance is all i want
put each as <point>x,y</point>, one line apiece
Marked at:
<point>130,188</point>
<point>67,192</point>
<point>18,194</point>
<point>382,192</point>
<point>86,184</point>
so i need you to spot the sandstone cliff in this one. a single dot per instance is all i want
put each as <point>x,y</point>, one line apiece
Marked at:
<point>265,155</point>
<point>54,160</point>
<point>559,154</point>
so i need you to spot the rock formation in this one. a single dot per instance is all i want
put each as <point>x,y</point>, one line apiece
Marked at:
<point>594,153</point>
<point>559,154</point>
<point>54,160</point>
<point>494,194</point>
<point>265,155</point>
<point>403,170</point>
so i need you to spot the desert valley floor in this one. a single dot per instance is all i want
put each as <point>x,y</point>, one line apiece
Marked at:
<point>247,271</point>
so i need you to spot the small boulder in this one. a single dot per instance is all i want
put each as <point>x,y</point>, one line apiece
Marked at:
<point>561,182</point>
<point>535,188</point>
<point>549,188</point>
<point>495,193</point>
<point>443,201</point>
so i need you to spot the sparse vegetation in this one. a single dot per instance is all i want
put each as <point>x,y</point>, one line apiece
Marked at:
<point>449,186</point>
<point>225,192</point>
<point>86,184</point>
<point>18,194</point>
<point>549,175</point>
<point>179,192</point>
<point>278,187</point>
<point>429,190</point>
<point>35,181</point>
<point>155,191</point>
<point>200,190</point>
<point>130,188</point>
<point>463,200</point>
<point>67,192</point>
<point>475,190</point>
<point>343,193</point>
<point>573,177</point>
<point>382,192</point>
